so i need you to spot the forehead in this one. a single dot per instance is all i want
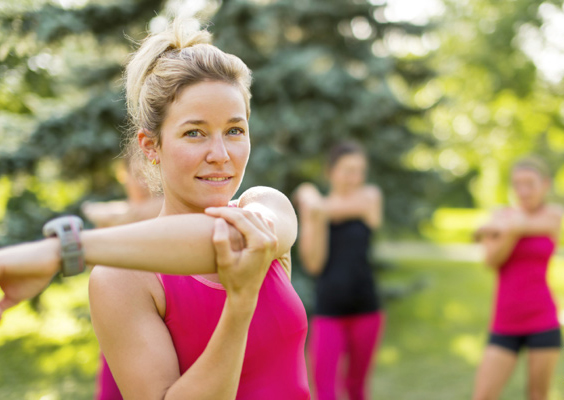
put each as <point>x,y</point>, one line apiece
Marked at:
<point>523,173</point>
<point>207,101</point>
<point>351,160</point>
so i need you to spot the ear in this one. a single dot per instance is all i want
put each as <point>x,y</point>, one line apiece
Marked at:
<point>148,145</point>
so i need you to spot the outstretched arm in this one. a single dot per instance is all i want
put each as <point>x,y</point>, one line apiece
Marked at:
<point>179,244</point>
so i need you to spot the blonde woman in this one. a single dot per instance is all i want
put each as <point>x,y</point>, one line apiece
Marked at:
<point>235,328</point>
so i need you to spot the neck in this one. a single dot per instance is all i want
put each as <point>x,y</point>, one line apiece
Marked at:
<point>533,210</point>
<point>171,207</point>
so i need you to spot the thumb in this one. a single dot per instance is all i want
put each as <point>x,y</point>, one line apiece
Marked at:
<point>221,244</point>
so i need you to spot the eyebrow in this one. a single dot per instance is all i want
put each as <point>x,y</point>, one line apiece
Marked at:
<point>202,122</point>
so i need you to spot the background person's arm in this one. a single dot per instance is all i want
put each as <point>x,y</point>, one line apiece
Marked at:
<point>366,203</point>
<point>498,238</point>
<point>314,233</point>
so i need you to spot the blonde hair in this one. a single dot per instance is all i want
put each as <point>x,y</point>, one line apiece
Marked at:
<point>166,63</point>
<point>533,163</point>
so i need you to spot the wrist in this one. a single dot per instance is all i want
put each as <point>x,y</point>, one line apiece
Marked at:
<point>67,230</point>
<point>241,304</point>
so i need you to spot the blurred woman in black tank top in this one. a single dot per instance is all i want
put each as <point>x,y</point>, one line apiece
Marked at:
<point>334,242</point>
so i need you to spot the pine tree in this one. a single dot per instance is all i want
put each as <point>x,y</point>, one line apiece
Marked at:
<point>318,80</point>
<point>63,106</point>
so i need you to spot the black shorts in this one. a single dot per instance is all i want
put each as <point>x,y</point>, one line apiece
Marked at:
<point>541,340</point>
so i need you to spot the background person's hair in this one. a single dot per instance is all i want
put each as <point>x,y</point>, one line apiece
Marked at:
<point>533,163</point>
<point>166,63</point>
<point>342,149</point>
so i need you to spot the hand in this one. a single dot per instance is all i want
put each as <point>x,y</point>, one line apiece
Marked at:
<point>26,270</point>
<point>242,272</point>
<point>309,200</point>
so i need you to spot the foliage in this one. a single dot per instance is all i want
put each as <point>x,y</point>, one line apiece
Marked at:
<point>318,80</point>
<point>62,105</point>
<point>491,100</point>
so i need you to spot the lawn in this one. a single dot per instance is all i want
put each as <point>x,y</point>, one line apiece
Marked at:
<point>433,341</point>
<point>435,337</point>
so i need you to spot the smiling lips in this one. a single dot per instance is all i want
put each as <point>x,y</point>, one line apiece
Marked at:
<point>215,180</point>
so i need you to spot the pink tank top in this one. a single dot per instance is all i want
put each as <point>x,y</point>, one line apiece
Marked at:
<point>524,304</point>
<point>274,364</point>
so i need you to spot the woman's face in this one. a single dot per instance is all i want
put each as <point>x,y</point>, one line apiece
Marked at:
<point>530,188</point>
<point>348,173</point>
<point>204,147</point>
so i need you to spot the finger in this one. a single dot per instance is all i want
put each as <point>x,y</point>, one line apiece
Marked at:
<point>256,218</point>
<point>256,232</point>
<point>239,218</point>
<point>221,243</point>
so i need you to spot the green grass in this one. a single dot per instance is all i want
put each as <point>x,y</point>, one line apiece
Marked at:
<point>52,354</point>
<point>435,338</point>
<point>433,342</point>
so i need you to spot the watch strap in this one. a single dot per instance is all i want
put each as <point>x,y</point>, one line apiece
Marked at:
<point>67,229</point>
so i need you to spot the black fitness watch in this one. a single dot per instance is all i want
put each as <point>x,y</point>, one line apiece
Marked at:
<point>67,229</point>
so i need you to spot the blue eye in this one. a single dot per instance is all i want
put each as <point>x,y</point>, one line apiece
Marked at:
<point>192,133</point>
<point>235,131</point>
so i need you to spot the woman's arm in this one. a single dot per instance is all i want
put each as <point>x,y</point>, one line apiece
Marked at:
<point>366,203</point>
<point>498,237</point>
<point>137,344</point>
<point>547,222</point>
<point>179,244</point>
<point>314,235</point>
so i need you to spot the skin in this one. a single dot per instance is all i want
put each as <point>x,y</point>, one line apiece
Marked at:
<point>265,228</point>
<point>349,198</point>
<point>532,217</point>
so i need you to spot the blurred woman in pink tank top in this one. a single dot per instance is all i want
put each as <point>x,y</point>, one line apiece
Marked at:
<point>519,242</point>
<point>235,334</point>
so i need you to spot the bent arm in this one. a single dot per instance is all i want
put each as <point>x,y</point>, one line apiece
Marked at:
<point>366,204</point>
<point>498,237</point>
<point>545,223</point>
<point>140,351</point>
<point>314,233</point>
<point>275,206</point>
<point>498,247</point>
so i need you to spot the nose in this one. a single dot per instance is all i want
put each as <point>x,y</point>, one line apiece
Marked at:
<point>217,152</point>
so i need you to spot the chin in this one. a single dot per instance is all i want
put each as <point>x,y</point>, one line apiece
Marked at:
<point>216,201</point>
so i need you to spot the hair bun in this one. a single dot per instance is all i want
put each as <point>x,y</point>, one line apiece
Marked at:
<point>187,33</point>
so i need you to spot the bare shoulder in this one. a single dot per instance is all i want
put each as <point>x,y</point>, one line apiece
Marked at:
<point>118,286</point>
<point>371,194</point>
<point>555,210</point>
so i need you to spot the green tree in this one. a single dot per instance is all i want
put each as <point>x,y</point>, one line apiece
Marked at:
<point>492,99</point>
<point>319,79</point>
<point>62,105</point>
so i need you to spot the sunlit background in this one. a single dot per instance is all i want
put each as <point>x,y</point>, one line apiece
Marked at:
<point>444,94</point>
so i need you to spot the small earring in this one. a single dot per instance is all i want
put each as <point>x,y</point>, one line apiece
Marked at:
<point>154,162</point>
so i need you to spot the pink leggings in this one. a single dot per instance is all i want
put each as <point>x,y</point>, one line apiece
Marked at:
<point>332,337</point>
